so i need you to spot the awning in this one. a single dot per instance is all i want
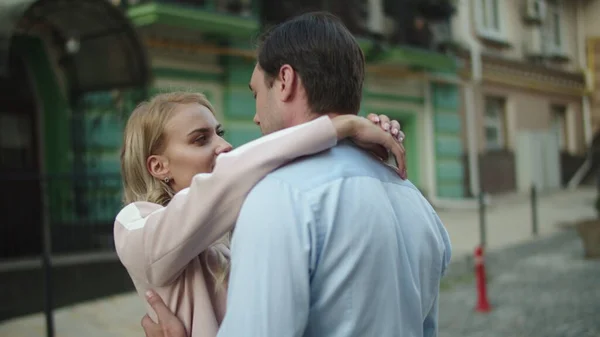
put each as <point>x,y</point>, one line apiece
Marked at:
<point>101,48</point>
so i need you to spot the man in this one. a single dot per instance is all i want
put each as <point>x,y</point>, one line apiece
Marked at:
<point>334,244</point>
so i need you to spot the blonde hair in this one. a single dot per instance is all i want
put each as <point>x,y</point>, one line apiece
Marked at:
<point>144,136</point>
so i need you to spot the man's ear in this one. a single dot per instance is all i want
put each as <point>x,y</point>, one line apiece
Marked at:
<point>288,79</point>
<point>158,166</point>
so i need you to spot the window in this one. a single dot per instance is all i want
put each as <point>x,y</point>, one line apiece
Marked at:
<point>489,23</point>
<point>553,28</point>
<point>494,123</point>
<point>559,121</point>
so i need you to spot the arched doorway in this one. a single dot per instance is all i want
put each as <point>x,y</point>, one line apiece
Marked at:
<point>52,52</point>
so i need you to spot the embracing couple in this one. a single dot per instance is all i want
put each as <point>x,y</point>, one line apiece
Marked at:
<point>327,239</point>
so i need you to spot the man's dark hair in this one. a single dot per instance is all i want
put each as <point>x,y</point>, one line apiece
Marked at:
<point>325,55</point>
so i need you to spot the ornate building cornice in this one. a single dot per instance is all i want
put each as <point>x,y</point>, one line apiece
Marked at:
<point>527,75</point>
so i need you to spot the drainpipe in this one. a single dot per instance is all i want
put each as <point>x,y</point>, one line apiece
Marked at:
<point>587,121</point>
<point>587,116</point>
<point>470,97</point>
<point>585,100</point>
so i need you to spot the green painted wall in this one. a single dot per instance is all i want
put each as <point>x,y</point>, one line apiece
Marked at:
<point>405,109</point>
<point>194,18</point>
<point>53,103</point>
<point>408,120</point>
<point>239,105</point>
<point>100,124</point>
<point>448,142</point>
<point>81,148</point>
<point>186,75</point>
<point>101,138</point>
<point>55,121</point>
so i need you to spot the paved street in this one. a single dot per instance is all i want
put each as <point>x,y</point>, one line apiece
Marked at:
<point>544,289</point>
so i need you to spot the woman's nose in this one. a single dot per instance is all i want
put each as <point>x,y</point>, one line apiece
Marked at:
<point>224,147</point>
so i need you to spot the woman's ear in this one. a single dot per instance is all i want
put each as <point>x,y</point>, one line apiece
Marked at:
<point>158,166</point>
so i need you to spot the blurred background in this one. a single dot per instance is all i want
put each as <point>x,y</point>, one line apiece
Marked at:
<point>499,100</point>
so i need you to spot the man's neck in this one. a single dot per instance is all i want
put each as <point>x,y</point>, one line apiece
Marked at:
<point>310,116</point>
<point>333,114</point>
<point>313,116</point>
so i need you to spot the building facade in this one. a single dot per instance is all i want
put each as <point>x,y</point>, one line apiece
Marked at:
<point>525,107</point>
<point>73,71</point>
<point>589,11</point>
<point>408,76</point>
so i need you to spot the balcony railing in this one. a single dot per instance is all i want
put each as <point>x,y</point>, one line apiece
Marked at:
<point>416,23</point>
<point>236,7</point>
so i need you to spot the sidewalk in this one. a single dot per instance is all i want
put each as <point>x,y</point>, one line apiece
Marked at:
<point>115,316</point>
<point>508,222</point>
<point>508,219</point>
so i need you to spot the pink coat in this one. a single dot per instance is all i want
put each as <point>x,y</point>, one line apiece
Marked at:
<point>166,248</point>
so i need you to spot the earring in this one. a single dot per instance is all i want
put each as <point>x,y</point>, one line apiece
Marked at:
<point>167,180</point>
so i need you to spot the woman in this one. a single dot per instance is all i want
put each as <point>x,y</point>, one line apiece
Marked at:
<point>172,236</point>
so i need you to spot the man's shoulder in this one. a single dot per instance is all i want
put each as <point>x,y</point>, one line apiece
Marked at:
<point>344,161</point>
<point>301,174</point>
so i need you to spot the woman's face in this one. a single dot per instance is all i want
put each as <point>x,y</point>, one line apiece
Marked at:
<point>193,140</point>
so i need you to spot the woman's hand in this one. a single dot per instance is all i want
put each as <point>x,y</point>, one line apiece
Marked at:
<point>377,134</point>
<point>392,126</point>
<point>168,324</point>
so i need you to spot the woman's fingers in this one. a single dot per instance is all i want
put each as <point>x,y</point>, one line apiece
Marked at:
<point>392,126</point>
<point>395,128</point>
<point>373,118</point>
<point>368,135</point>
<point>402,163</point>
<point>400,136</point>
<point>385,122</point>
<point>168,324</point>
<point>397,150</point>
<point>151,329</point>
<point>158,305</point>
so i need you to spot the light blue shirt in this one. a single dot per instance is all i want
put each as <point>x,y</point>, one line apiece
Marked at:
<point>335,245</point>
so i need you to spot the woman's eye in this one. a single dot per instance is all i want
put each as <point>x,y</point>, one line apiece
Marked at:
<point>200,139</point>
<point>221,133</point>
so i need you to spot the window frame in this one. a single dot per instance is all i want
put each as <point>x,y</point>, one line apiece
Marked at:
<point>553,26</point>
<point>490,11</point>
<point>497,122</point>
<point>559,120</point>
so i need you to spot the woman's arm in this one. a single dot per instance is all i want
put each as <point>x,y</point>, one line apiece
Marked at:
<point>155,243</point>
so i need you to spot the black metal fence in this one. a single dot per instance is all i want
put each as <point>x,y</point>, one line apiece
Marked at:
<point>78,209</point>
<point>56,242</point>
